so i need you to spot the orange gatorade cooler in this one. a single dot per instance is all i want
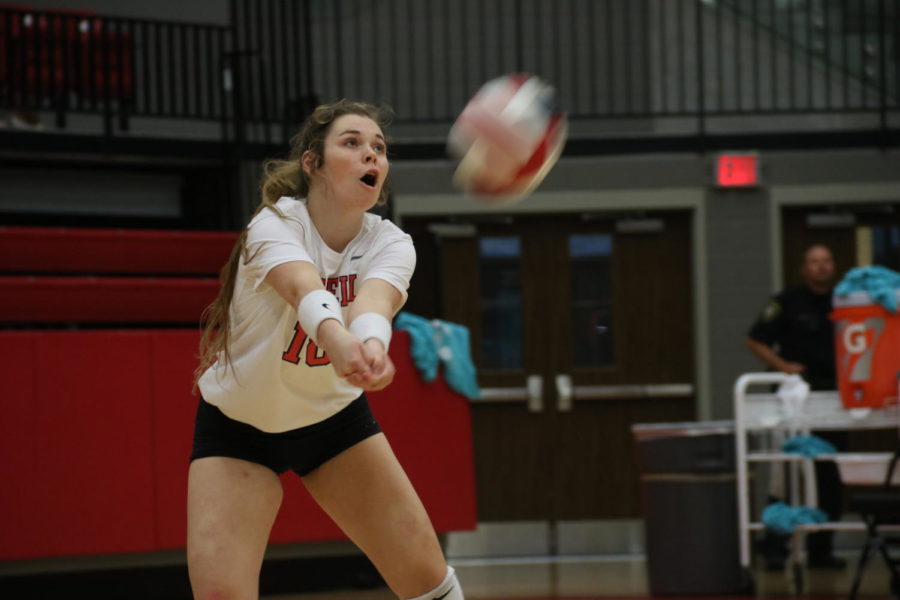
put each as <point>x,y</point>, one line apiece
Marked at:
<point>867,350</point>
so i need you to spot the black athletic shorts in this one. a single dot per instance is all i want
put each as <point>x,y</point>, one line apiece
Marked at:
<point>301,450</point>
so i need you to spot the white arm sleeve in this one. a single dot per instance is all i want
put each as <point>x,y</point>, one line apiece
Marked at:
<point>394,263</point>
<point>272,241</point>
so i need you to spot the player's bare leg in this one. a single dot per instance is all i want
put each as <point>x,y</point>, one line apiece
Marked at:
<point>366,492</point>
<point>232,505</point>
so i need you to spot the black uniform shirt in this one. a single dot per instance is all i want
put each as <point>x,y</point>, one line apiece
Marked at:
<point>796,325</point>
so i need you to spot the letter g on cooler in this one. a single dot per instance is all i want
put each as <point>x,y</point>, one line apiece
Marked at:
<point>858,348</point>
<point>855,338</point>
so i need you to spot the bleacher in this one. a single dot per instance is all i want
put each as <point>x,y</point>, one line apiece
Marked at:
<point>108,276</point>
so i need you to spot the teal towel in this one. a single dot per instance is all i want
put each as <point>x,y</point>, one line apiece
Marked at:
<point>879,282</point>
<point>808,445</point>
<point>422,346</point>
<point>783,518</point>
<point>435,343</point>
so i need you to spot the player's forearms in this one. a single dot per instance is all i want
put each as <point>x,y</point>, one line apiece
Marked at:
<point>329,334</point>
<point>381,306</point>
<point>294,280</point>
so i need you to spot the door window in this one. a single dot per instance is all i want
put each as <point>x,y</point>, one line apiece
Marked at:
<point>886,246</point>
<point>590,256</point>
<point>501,302</point>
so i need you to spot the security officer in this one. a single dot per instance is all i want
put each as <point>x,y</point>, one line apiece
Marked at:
<point>794,335</point>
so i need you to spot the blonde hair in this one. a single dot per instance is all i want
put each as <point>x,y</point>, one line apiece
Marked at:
<point>280,178</point>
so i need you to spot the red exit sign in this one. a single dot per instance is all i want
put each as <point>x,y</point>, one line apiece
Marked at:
<point>737,170</point>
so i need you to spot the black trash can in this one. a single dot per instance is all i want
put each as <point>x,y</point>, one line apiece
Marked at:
<point>689,491</point>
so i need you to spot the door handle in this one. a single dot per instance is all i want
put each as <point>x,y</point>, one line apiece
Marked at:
<point>535,385</point>
<point>567,394</point>
<point>657,390</point>
<point>532,394</point>
<point>563,393</point>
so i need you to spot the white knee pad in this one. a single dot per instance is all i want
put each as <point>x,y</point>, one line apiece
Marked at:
<point>449,589</point>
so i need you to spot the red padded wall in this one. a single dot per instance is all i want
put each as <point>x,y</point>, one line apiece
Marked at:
<point>18,446</point>
<point>174,356</point>
<point>96,440</point>
<point>90,481</point>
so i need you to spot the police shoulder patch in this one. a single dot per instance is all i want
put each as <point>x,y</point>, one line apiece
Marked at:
<point>772,311</point>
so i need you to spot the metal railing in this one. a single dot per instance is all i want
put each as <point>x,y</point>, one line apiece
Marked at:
<point>626,62</point>
<point>851,49</point>
<point>613,58</point>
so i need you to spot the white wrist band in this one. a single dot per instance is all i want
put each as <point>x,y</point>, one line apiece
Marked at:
<point>318,306</point>
<point>372,325</point>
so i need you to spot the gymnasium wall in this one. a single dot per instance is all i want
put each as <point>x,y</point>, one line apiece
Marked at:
<point>95,190</point>
<point>737,234</point>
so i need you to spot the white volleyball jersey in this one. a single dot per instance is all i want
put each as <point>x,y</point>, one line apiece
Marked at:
<point>278,378</point>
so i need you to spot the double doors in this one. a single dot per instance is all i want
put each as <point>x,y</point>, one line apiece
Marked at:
<point>581,326</point>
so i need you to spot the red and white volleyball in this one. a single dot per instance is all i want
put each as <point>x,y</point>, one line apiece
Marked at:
<point>507,138</point>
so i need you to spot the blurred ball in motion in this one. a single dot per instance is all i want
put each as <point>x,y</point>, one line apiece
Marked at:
<point>507,138</point>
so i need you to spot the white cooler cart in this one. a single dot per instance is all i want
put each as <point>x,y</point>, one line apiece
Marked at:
<point>765,418</point>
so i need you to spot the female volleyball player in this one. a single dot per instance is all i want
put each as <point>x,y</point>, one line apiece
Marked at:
<point>299,332</point>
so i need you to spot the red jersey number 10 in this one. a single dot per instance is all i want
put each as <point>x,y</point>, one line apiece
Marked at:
<point>314,356</point>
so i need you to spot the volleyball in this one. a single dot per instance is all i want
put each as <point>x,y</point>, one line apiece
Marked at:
<point>507,138</point>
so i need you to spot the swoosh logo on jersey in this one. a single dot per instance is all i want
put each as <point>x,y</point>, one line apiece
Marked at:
<point>326,307</point>
<point>356,257</point>
<point>445,594</point>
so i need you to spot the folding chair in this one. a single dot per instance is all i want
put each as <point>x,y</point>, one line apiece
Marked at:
<point>879,508</point>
